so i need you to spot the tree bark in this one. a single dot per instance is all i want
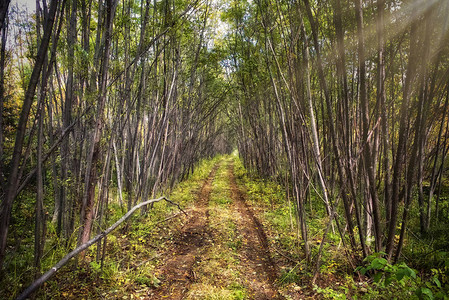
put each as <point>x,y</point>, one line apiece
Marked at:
<point>401,148</point>
<point>13,178</point>
<point>369,162</point>
<point>95,151</point>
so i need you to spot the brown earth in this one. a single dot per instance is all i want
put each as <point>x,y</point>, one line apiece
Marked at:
<point>196,243</point>
<point>190,246</point>
<point>176,271</point>
<point>262,270</point>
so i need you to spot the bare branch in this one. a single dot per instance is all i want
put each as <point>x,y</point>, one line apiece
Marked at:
<point>83,247</point>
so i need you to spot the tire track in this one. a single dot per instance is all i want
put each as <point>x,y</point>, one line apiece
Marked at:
<point>176,271</point>
<point>256,254</point>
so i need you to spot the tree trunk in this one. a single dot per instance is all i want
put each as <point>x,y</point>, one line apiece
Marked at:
<point>369,162</point>
<point>401,148</point>
<point>95,154</point>
<point>13,178</point>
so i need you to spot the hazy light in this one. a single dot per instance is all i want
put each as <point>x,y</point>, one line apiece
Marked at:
<point>29,5</point>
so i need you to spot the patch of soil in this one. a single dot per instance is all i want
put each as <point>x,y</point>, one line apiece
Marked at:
<point>255,249</point>
<point>176,270</point>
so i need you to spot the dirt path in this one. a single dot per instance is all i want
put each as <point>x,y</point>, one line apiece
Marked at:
<point>222,251</point>
<point>176,271</point>
<point>256,259</point>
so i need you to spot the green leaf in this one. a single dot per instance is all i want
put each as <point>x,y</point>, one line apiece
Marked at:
<point>427,292</point>
<point>403,271</point>
<point>388,279</point>
<point>400,274</point>
<point>441,295</point>
<point>377,277</point>
<point>437,281</point>
<point>379,263</point>
<point>361,269</point>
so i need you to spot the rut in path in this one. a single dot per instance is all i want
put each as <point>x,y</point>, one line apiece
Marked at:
<point>177,270</point>
<point>256,254</point>
<point>183,271</point>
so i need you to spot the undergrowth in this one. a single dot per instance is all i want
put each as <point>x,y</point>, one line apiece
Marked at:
<point>422,274</point>
<point>219,275</point>
<point>132,250</point>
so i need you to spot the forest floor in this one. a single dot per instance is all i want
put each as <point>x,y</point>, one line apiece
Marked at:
<point>221,251</point>
<point>224,248</point>
<point>237,240</point>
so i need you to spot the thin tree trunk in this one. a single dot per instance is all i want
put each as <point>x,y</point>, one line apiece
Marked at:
<point>13,178</point>
<point>119,177</point>
<point>331,122</point>
<point>367,145</point>
<point>435,175</point>
<point>4,5</point>
<point>39,232</point>
<point>67,116</point>
<point>3,33</point>
<point>381,96</point>
<point>95,152</point>
<point>315,140</point>
<point>401,148</point>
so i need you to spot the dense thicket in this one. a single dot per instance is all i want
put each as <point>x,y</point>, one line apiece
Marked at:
<point>349,98</point>
<point>345,103</point>
<point>111,94</point>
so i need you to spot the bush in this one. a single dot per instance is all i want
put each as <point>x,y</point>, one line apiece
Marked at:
<point>401,278</point>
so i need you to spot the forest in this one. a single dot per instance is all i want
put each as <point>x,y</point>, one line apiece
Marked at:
<point>224,149</point>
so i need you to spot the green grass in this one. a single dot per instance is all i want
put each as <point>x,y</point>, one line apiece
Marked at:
<point>219,275</point>
<point>142,238</point>
<point>428,254</point>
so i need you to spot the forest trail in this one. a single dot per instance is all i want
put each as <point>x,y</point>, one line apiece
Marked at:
<point>260,125</point>
<point>256,251</point>
<point>187,246</point>
<point>221,251</point>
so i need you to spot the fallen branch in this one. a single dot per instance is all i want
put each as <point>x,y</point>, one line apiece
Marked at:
<point>148,260</point>
<point>285,256</point>
<point>169,218</point>
<point>83,247</point>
